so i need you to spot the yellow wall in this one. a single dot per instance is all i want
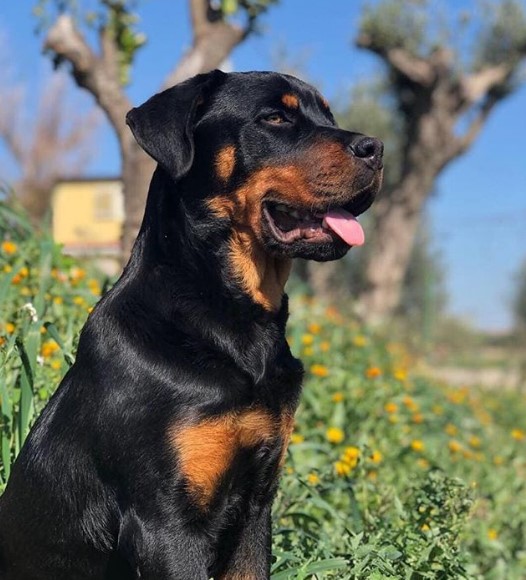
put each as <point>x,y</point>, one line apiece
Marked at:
<point>88,215</point>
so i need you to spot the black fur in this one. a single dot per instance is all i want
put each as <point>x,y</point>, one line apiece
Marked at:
<point>97,491</point>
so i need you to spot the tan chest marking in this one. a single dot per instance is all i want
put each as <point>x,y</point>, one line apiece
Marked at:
<point>206,450</point>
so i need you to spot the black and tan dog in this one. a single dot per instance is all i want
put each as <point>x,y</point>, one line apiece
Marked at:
<point>159,455</point>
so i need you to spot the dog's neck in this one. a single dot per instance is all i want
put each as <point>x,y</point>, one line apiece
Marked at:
<point>261,275</point>
<point>172,235</point>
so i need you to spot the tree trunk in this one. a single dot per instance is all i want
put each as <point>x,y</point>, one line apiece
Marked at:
<point>137,171</point>
<point>396,222</point>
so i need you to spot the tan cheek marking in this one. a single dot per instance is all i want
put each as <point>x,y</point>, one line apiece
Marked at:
<point>325,102</point>
<point>262,276</point>
<point>290,100</point>
<point>206,451</point>
<point>225,162</point>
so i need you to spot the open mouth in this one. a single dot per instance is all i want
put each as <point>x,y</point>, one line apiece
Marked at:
<point>288,224</point>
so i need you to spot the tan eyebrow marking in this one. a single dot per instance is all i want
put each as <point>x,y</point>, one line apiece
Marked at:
<point>290,100</point>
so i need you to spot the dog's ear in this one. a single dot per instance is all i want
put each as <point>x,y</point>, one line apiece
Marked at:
<point>163,125</point>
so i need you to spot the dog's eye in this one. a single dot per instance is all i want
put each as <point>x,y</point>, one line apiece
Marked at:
<point>276,118</point>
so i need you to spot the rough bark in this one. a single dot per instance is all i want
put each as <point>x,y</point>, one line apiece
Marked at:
<point>432,97</point>
<point>213,40</point>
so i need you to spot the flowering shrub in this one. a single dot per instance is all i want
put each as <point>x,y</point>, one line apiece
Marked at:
<point>388,474</point>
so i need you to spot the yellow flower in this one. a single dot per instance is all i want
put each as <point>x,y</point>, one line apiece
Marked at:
<point>518,434</point>
<point>373,372</point>
<point>451,429</point>
<point>454,446</point>
<point>10,327</point>
<point>58,300</point>
<point>418,418</point>
<point>55,364</point>
<point>410,403</point>
<point>297,438</point>
<point>417,445</point>
<point>400,374</point>
<point>319,370</point>
<point>9,247</point>
<point>492,534</point>
<point>438,409</point>
<point>7,268</point>
<point>457,397</point>
<point>308,351</point>
<point>94,286</point>
<point>342,469</point>
<point>350,454</point>
<point>372,475</point>
<point>425,528</point>
<point>79,301</point>
<point>2,342</point>
<point>376,456</point>
<point>475,441</point>
<point>325,346</point>
<point>314,328</point>
<point>334,435</point>
<point>337,397</point>
<point>307,339</point>
<point>359,340</point>
<point>289,470</point>
<point>422,463</point>
<point>77,274</point>
<point>24,272</point>
<point>391,408</point>
<point>313,478</point>
<point>393,419</point>
<point>49,348</point>
<point>498,460</point>
<point>25,291</point>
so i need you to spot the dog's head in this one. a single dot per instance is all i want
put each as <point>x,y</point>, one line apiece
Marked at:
<point>261,152</point>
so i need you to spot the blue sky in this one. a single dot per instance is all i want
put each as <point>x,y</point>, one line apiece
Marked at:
<point>478,215</point>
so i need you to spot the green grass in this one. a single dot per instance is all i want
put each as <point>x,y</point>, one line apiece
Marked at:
<point>389,475</point>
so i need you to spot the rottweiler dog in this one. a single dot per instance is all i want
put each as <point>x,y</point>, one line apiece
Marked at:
<point>159,455</point>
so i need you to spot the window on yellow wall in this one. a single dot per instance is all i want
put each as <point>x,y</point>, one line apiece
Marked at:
<point>108,204</point>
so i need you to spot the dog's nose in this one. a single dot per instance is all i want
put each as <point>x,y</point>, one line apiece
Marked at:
<point>369,149</point>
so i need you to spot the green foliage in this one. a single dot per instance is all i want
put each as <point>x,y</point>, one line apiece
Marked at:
<point>120,24</point>
<point>388,475</point>
<point>503,35</point>
<point>396,24</point>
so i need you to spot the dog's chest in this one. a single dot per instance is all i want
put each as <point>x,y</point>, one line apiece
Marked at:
<point>243,446</point>
<point>211,452</point>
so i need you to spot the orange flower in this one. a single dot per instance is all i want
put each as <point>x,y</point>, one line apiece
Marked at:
<point>373,372</point>
<point>391,408</point>
<point>9,247</point>
<point>337,397</point>
<point>314,328</point>
<point>319,370</point>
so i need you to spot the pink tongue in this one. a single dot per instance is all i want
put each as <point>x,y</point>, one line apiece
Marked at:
<point>346,226</point>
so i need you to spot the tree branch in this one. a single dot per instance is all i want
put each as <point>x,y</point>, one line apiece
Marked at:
<point>95,74</point>
<point>476,85</point>
<point>463,142</point>
<point>410,66</point>
<point>213,40</point>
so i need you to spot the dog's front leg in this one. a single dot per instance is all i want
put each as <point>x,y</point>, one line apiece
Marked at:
<point>250,559</point>
<point>159,550</point>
